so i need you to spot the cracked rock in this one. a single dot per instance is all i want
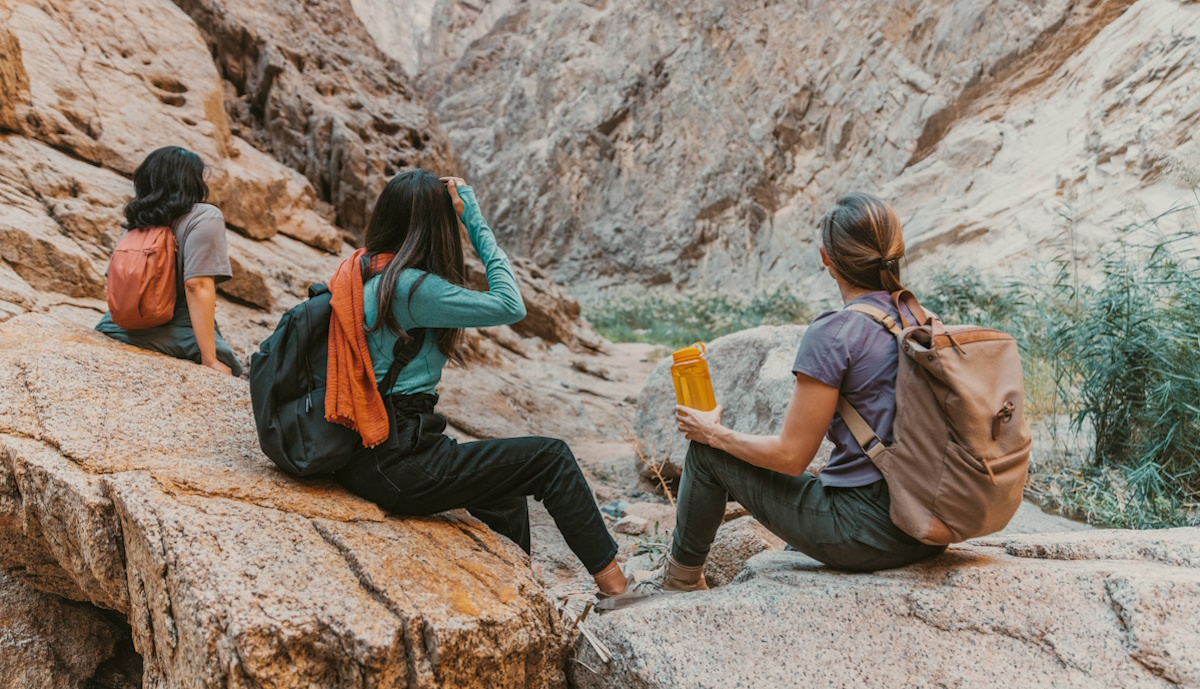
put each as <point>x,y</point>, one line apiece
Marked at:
<point>976,616</point>
<point>134,481</point>
<point>47,642</point>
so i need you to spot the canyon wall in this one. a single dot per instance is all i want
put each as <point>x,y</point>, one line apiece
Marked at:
<point>697,143</point>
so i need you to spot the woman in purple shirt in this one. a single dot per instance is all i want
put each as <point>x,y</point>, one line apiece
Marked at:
<point>841,516</point>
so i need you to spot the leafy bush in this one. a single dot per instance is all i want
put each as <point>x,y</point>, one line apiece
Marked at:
<point>965,298</point>
<point>1103,497</point>
<point>679,320</point>
<point>1132,359</point>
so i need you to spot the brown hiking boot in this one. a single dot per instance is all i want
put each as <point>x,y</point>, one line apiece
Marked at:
<point>671,577</point>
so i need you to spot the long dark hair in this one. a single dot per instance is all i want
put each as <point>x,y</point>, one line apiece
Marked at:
<point>166,186</point>
<point>862,237</point>
<point>414,218</point>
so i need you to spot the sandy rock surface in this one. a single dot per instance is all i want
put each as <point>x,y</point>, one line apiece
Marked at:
<point>696,144</point>
<point>134,481</point>
<point>1101,609</point>
<point>47,642</point>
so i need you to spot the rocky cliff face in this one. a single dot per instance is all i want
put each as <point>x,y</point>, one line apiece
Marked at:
<point>697,143</point>
<point>74,82</point>
<point>305,83</point>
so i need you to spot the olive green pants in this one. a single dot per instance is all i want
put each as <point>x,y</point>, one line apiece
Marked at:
<point>845,528</point>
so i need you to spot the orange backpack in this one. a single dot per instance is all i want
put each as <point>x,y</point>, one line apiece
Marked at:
<point>142,278</point>
<point>957,464</point>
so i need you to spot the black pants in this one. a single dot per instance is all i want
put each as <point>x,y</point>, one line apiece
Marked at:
<point>420,471</point>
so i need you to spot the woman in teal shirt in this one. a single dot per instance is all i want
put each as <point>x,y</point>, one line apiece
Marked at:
<point>421,291</point>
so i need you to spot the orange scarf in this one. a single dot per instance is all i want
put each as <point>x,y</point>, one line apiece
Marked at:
<point>352,397</point>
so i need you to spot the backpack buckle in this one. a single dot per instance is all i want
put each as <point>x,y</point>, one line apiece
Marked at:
<point>875,448</point>
<point>1003,416</point>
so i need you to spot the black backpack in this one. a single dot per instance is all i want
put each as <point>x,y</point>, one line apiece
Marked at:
<point>287,390</point>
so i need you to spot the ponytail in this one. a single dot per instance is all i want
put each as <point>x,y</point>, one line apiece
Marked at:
<point>862,237</point>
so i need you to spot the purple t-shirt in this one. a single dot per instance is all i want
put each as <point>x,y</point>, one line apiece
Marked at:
<point>849,351</point>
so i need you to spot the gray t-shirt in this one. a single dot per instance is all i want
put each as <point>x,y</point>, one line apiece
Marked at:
<point>202,248</point>
<point>849,351</point>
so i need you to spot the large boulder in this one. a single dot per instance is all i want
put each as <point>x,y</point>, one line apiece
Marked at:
<point>47,642</point>
<point>1098,608</point>
<point>737,541</point>
<point>134,481</point>
<point>752,378</point>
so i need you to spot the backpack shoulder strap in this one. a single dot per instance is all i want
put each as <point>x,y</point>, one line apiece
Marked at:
<point>402,353</point>
<point>914,307</point>
<point>866,436</point>
<point>878,315</point>
<point>867,439</point>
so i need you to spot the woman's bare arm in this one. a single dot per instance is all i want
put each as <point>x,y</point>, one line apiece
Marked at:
<point>808,417</point>
<point>202,307</point>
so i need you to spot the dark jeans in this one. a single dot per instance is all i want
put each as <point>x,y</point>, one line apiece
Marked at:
<point>845,528</point>
<point>490,478</point>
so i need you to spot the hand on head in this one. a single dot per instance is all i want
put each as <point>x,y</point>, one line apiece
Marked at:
<point>452,185</point>
<point>698,425</point>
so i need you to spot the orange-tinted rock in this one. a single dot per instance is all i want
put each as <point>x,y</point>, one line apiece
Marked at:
<point>72,79</point>
<point>134,481</point>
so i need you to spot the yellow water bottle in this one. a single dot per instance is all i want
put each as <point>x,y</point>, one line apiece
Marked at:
<point>693,386</point>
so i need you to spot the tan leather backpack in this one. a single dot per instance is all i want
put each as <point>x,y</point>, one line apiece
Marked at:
<point>142,278</point>
<point>960,453</point>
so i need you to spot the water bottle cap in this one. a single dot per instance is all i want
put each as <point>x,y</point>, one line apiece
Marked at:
<point>693,351</point>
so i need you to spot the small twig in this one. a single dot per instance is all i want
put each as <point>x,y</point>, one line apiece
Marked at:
<point>641,453</point>
<point>582,616</point>
<point>593,670</point>
<point>598,646</point>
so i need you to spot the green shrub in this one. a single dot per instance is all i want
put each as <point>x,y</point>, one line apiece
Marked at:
<point>1132,359</point>
<point>1120,357</point>
<point>965,298</point>
<point>1102,496</point>
<point>679,319</point>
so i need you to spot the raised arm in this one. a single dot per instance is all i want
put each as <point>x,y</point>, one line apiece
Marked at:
<point>808,417</point>
<point>438,303</point>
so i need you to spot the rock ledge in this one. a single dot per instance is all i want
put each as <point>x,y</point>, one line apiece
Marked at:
<point>134,481</point>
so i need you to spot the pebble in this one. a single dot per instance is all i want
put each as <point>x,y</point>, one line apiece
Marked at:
<point>631,525</point>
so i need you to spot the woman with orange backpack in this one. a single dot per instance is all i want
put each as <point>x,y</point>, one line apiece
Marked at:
<point>173,246</point>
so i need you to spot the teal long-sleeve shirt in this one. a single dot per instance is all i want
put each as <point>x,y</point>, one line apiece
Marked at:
<point>438,303</point>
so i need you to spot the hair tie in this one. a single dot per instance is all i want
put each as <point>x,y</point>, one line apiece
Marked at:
<point>887,263</point>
